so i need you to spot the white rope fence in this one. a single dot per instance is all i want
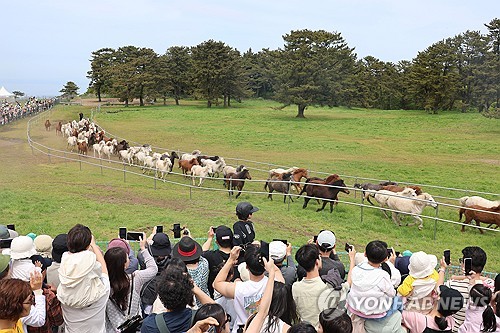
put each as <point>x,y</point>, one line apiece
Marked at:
<point>119,166</point>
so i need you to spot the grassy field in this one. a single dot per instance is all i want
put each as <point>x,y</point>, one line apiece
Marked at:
<point>450,149</point>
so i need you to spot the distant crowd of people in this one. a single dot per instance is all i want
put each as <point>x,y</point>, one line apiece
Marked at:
<point>13,111</point>
<point>234,282</point>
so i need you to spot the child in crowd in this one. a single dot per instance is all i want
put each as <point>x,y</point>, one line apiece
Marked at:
<point>479,314</point>
<point>371,295</point>
<point>420,282</point>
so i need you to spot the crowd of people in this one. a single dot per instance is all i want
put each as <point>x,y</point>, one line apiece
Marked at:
<point>234,282</point>
<point>12,111</point>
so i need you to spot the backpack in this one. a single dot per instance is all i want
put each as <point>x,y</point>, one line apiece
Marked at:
<point>149,292</point>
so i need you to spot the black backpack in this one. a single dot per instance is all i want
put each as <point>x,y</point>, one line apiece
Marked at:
<point>149,292</point>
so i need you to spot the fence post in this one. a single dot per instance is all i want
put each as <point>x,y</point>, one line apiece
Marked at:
<point>65,159</point>
<point>100,161</point>
<point>355,192</point>
<point>190,192</point>
<point>124,173</point>
<point>48,154</point>
<point>80,159</point>
<point>230,188</point>
<point>32,152</point>
<point>155,181</point>
<point>362,206</point>
<point>435,221</point>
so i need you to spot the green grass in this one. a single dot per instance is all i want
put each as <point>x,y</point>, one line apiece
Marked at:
<point>449,149</point>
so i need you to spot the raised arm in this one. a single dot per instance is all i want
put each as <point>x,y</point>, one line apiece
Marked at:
<point>352,256</point>
<point>208,242</point>
<point>220,284</point>
<point>265,302</point>
<point>98,255</point>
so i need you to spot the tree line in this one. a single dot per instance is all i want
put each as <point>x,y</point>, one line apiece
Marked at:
<point>312,68</point>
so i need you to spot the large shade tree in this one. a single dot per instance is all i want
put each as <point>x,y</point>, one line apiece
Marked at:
<point>100,63</point>
<point>314,68</point>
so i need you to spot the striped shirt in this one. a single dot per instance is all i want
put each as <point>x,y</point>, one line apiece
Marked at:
<point>464,288</point>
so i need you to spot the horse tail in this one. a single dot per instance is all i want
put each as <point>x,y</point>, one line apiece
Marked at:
<point>460,213</point>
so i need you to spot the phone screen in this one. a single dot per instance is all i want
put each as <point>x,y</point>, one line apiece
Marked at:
<point>447,258</point>
<point>159,229</point>
<point>134,236</point>
<point>11,227</point>
<point>347,247</point>
<point>5,243</point>
<point>315,238</point>
<point>122,233</point>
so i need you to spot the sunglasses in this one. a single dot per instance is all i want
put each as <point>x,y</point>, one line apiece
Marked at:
<point>30,301</point>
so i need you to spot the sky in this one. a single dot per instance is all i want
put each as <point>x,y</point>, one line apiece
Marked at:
<point>46,43</point>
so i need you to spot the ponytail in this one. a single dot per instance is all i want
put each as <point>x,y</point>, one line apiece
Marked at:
<point>489,320</point>
<point>441,322</point>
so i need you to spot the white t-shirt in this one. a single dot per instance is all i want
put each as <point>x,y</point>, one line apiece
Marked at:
<point>246,299</point>
<point>90,319</point>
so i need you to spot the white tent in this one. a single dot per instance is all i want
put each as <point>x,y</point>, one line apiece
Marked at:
<point>4,93</point>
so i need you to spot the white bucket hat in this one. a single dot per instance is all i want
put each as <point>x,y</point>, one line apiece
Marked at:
<point>22,247</point>
<point>422,264</point>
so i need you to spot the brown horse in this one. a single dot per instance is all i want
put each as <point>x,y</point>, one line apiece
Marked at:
<point>47,125</point>
<point>477,216</point>
<point>327,193</point>
<point>396,188</point>
<point>236,181</point>
<point>59,128</point>
<point>186,165</point>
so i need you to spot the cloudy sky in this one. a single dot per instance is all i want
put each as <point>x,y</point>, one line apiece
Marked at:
<point>45,43</point>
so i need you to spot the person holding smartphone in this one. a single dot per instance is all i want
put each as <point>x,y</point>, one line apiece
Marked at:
<point>477,258</point>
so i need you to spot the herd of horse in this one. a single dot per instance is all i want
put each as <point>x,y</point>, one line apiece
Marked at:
<point>408,200</point>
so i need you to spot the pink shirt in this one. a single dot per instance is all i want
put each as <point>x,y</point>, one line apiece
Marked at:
<point>417,322</point>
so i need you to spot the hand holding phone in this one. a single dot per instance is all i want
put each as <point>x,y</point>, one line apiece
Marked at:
<point>122,233</point>
<point>159,229</point>
<point>177,230</point>
<point>348,247</point>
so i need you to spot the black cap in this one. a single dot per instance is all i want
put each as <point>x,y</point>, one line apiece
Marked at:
<point>161,245</point>
<point>224,235</point>
<point>450,301</point>
<point>245,208</point>
<point>59,246</point>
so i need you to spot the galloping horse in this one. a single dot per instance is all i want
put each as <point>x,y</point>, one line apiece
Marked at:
<point>47,125</point>
<point>236,181</point>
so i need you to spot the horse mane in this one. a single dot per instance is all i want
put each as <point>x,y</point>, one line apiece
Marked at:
<point>298,170</point>
<point>332,178</point>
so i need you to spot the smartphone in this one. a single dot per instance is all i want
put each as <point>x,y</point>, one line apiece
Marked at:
<point>122,233</point>
<point>347,247</point>
<point>284,241</point>
<point>389,253</point>
<point>447,258</point>
<point>398,253</point>
<point>468,265</point>
<point>134,235</point>
<point>11,227</point>
<point>212,329</point>
<point>159,229</point>
<point>177,230</point>
<point>5,243</point>
<point>315,238</point>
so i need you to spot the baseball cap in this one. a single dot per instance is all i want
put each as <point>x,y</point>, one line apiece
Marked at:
<point>118,242</point>
<point>4,232</point>
<point>224,235</point>
<point>326,239</point>
<point>4,262</point>
<point>245,208</point>
<point>277,250</point>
